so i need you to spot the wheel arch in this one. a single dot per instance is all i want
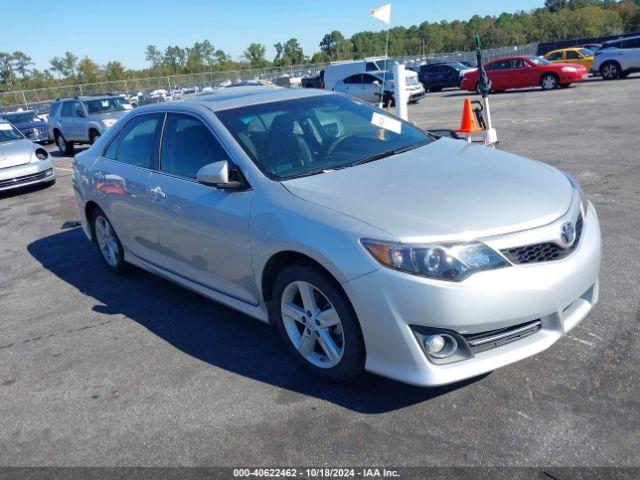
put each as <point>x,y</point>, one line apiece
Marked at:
<point>279,261</point>
<point>89,208</point>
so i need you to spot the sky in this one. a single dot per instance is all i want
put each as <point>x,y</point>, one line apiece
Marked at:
<point>121,29</point>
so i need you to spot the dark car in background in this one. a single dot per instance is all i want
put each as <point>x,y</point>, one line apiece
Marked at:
<point>436,76</point>
<point>31,126</point>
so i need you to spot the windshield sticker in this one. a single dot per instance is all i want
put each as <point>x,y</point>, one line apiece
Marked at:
<point>105,103</point>
<point>5,127</point>
<point>387,123</point>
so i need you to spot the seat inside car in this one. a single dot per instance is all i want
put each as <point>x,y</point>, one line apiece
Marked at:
<point>286,149</point>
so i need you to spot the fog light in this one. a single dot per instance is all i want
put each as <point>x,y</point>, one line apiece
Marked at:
<point>440,346</point>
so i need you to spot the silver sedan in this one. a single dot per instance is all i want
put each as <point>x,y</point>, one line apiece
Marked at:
<point>369,243</point>
<point>22,162</point>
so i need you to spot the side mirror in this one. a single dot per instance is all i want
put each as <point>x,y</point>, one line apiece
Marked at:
<point>80,113</point>
<point>216,174</point>
<point>376,82</point>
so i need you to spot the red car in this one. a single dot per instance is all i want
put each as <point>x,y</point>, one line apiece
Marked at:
<point>522,72</point>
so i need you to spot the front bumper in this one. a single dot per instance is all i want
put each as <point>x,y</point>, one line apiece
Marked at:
<point>573,77</point>
<point>27,174</point>
<point>558,293</point>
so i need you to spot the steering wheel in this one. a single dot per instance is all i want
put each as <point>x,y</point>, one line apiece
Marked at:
<point>336,143</point>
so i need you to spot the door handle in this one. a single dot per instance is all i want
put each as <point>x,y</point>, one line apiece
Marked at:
<point>157,194</point>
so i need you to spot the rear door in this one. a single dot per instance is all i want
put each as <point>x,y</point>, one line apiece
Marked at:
<point>121,178</point>
<point>67,120</point>
<point>556,57</point>
<point>204,231</point>
<point>499,74</point>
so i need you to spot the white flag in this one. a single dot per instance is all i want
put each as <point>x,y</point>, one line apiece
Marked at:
<point>383,13</point>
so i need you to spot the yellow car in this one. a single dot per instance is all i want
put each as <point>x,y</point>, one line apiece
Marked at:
<point>582,56</point>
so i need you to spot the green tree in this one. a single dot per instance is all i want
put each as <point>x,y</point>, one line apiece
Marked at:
<point>21,63</point>
<point>255,55</point>
<point>153,56</point>
<point>114,70</point>
<point>329,43</point>
<point>70,64</point>
<point>88,70</point>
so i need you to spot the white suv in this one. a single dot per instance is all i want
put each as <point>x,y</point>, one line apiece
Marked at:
<point>617,58</point>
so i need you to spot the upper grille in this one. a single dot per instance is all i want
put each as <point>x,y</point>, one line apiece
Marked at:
<point>542,252</point>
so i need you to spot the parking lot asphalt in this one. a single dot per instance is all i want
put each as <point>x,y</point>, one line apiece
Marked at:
<point>97,369</point>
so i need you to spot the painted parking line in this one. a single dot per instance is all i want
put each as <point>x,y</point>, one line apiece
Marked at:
<point>64,169</point>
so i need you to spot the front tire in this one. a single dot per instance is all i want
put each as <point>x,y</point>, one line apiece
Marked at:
<point>108,242</point>
<point>64,146</point>
<point>549,82</point>
<point>317,323</point>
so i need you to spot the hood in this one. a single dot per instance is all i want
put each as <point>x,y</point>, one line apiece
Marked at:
<point>16,152</point>
<point>443,191</point>
<point>28,125</point>
<point>561,65</point>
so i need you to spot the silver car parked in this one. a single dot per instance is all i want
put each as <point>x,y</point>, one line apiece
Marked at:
<point>81,120</point>
<point>370,243</point>
<point>22,162</point>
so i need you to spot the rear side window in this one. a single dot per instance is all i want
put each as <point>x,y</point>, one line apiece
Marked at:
<point>353,79</point>
<point>632,43</point>
<point>555,56</point>
<point>136,144</point>
<point>188,145</point>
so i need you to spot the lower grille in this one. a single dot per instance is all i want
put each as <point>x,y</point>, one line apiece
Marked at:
<point>479,342</point>
<point>12,182</point>
<point>542,252</point>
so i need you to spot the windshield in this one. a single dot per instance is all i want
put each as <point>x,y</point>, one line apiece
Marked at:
<point>8,132</point>
<point>114,104</point>
<point>539,61</point>
<point>308,136</point>
<point>386,64</point>
<point>22,117</point>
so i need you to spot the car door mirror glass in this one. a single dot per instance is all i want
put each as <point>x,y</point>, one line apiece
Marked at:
<point>80,113</point>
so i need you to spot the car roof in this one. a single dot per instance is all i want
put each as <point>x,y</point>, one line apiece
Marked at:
<point>514,57</point>
<point>224,99</point>
<point>634,37</point>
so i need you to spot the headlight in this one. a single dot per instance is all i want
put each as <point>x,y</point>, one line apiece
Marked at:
<point>584,201</point>
<point>452,262</point>
<point>569,69</point>
<point>107,122</point>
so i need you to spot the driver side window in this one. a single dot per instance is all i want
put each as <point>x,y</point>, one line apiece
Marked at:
<point>187,146</point>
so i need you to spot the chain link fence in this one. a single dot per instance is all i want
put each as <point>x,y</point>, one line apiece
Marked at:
<point>39,99</point>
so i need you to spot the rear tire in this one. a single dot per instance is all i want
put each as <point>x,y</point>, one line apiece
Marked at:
<point>108,242</point>
<point>610,70</point>
<point>311,300</point>
<point>549,81</point>
<point>64,146</point>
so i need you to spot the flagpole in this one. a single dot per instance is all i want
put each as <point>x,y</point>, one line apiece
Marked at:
<point>384,73</point>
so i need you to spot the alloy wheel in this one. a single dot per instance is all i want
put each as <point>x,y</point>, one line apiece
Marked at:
<point>549,82</point>
<point>610,71</point>
<point>107,242</point>
<point>312,324</point>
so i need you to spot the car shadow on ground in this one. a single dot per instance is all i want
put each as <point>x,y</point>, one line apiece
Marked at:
<point>209,331</point>
<point>56,153</point>
<point>19,191</point>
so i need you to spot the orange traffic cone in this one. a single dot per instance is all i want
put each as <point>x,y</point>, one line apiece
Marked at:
<point>468,124</point>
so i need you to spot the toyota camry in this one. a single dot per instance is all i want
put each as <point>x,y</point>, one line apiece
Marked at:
<point>369,243</point>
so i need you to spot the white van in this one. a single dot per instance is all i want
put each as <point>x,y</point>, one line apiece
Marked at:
<point>340,70</point>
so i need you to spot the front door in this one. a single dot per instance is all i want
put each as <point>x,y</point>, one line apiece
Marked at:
<point>204,231</point>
